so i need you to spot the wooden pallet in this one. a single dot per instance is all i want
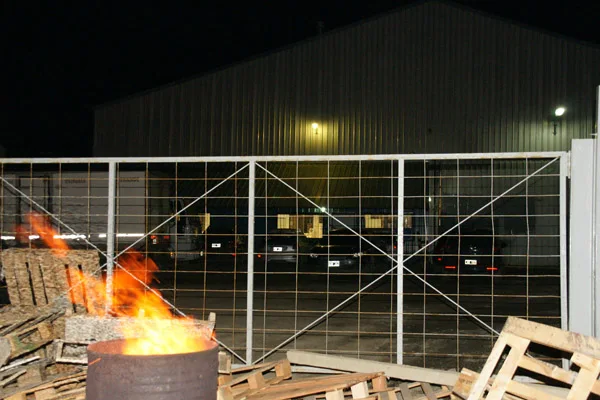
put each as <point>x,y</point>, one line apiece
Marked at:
<point>517,335</point>
<point>40,276</point>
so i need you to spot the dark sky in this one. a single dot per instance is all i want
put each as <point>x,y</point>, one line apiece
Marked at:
<point>60,60</point>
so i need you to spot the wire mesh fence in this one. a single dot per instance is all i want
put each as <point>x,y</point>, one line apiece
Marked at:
<point>301,252</point>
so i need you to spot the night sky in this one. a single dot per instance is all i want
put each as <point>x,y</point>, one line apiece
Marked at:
<point>61,61</point>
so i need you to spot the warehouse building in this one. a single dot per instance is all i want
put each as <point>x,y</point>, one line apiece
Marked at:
<point>433,77</point>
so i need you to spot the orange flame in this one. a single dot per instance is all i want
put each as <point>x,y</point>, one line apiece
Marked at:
<point>41,226</point>
<point>146,321</point>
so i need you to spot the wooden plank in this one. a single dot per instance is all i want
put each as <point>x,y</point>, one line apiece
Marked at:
<point>335,395</point>
<point>360,390</point>
<point>37,280</point>
<point>243,377</point>
<point>45,394</point>
<point>77,286</point>
<point>11,378</point>
<point>18,396</point>
<point>224,393</point>
<point>224,379</point>
<point>224,363</point>
<point>468,378</point>
<point>306,387</point>
<point>553,337</point>
<point>21,274</point>
<point>298,392</point>
<point>481,383</point>
<point>9,259</point>
<point>405,392</point>
<point>57,266</point>
<point>78,393</point>
<point>465,382</point>
<point>35,375</point>
<point>518,346</point>
<point>283,369</point>
<point>529,392</point>
<point>380,384</point>
<point>256,380</point>
<point>252,367</point>
<point>19,363</point>
<point>553,371</point>
<point>403,372</point>
<point>586,378</point>
<point>389,395</point>
<point>445,394</point>
<point>51,276</point>
<point>428,391</point>
<point>5,351</point>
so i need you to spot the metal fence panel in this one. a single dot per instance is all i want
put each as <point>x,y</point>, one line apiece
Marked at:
<point>303,252</point>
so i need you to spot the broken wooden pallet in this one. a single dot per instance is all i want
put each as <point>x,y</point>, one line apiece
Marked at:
<point>332,387</point>
<point>30,339</point>
<point>517,335</point>
<point>244,381</point>
<point>56,387</point>
<point>28,334</point>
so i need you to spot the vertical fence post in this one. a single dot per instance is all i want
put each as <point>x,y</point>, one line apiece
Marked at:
<point>110,233</point>
<point>564,306</point>
<point>400,264</point>
<point>581,291</point>
<point>596,223</point>
<point>250,277</point>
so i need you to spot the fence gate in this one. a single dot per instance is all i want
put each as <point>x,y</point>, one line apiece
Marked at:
<point>415,259</point>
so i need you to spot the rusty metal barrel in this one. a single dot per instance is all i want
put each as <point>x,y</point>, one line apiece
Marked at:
<point>186,376</point>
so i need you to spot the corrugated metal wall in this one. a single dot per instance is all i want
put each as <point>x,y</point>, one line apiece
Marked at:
<point>430,78</point>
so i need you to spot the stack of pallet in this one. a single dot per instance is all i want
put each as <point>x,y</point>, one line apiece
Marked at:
<point>29,363</point>
<point>42,287</point>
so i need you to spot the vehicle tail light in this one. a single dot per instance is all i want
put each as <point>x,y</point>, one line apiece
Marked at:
<point>167,237</point>
<point>492,268</point>
<point>450,267</point>
<point>439,258</point>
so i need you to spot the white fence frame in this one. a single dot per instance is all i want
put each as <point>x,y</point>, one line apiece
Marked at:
<point>563,157</point>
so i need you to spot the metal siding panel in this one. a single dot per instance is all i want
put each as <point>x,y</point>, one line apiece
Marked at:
<point>431,78</point>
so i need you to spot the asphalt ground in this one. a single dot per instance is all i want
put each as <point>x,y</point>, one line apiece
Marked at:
<point>436,333</point>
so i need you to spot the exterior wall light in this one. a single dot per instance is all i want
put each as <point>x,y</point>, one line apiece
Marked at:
<point>315,128</point>
<point>558,113</point>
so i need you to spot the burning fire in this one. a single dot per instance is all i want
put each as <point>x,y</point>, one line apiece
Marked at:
<point>147,324</point>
